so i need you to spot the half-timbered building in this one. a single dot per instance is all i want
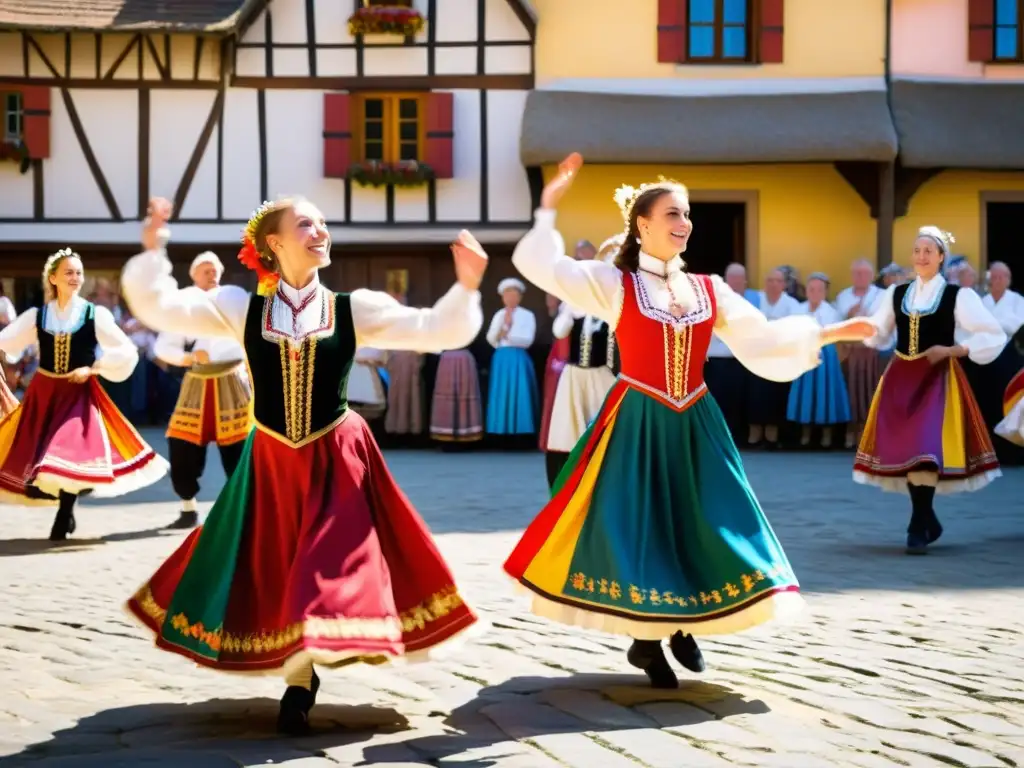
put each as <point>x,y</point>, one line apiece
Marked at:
<point>401,120</point>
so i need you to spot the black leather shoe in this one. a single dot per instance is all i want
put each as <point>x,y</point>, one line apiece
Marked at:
<point>185,521</point>
<point>649,656</point>
<point>687,652</point>
<point>917,544</point>
<point>293,717</point>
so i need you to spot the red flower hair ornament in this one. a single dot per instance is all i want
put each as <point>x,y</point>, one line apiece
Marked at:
<point>250,257</point>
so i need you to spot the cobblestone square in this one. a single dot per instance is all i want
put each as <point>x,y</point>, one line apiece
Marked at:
<point>898,661</point>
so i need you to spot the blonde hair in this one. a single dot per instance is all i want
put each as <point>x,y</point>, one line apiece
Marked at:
<point>53,262</point>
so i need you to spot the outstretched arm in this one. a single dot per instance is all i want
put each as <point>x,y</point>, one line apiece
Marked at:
<point>452,323</point>
<point>19,335</point>
<point>593,286</point>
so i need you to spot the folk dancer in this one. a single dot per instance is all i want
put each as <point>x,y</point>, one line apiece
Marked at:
<point>819,397</point>
<point>862,365</point>
<point>553,367</point>
<point>997,385</point>
<point>214,403</point>
<point>512,399</point>
<point>768,398</point>
<point>68,438</point>
<point>587,378</point>
<point>725,376</point>
<point>924,432</point>
<point>653,530</point>
<point>311,552</point>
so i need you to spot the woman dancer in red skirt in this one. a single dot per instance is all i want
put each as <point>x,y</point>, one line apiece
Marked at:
<point>924,431</point>
<point>311,552</point>
<point>68,437</point>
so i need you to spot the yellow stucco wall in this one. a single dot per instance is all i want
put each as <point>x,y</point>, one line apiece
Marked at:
<point>618,38</point>
<point>807,215</point>
<point>952,201</point>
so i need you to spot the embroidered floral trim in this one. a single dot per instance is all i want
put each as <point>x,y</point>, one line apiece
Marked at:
<point>436,607</point>
<point>699,315</point>
<point>734,591</point>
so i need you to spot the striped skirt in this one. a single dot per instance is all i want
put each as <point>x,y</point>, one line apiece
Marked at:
<point>1012,426</point>
<point>924,418</point>
<point>456,413</point>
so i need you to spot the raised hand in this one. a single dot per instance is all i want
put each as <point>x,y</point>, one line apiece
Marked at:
<point>851,330</point>
<point>155,226</point>
<point>470,261</point>
<point>555,189</point>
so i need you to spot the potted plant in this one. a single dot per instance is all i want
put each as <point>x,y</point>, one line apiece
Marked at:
<point>386,20</point>
<point>374,173</point>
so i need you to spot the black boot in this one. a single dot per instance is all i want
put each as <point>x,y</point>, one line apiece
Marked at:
<point>934,526</point>
<point>187,519</point>
<point>64,523</point>
<point>293,717</point>
<point>687,652</point>
<point>917,530</point>
<point>649,656</point>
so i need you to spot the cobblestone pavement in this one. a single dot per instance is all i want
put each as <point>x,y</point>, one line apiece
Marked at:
<point>898,662</point>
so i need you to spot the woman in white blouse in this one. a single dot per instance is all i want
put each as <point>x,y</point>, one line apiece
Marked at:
<point>68,437</point>
<point>819,397</point>
<point>512,399</point>
<point>654,531</point>
<point>924,431</point>
<point>311,552</point>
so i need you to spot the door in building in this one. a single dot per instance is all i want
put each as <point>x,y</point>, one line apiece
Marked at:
<point>719,237</point>
<point>1003,236</point>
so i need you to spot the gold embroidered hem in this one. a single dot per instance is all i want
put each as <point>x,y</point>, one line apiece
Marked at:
<point>436,607</point>
<point>768,606</point>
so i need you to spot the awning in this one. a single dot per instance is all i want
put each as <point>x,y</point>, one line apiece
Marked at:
<point>753,127</point>
<point>180,15</point>
<point>959,124</point>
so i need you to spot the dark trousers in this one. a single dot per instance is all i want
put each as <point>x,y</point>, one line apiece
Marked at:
<point>188,461</point>
<point>553,463</point>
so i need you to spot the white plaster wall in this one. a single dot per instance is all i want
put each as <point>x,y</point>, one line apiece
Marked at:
<point>458,199</point>
<point>16,192</point>
<point>507,188</point>
<point>456,20</point>
<point>69,190</point>
<point>177,118</point>
<point>110,119</point>
<point>241,162</point>
<point>455,61</point>
<point>11,62</point>
<point>295,146</point>
<point>507,60</point>
<point>502,22</point>
<point>394,61</point>
<point>332,21</point>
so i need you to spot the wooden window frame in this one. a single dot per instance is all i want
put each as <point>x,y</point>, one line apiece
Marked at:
<point>1018,57</point>
<point>751,27</point>
<point>392,125</point>
<point>7,138</point>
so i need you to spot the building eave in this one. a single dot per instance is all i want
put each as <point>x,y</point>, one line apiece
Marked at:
<point>784,125</point>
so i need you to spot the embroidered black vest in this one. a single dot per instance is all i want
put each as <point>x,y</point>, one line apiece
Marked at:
<point>917,331</point>
<point>61,353</point>
<point>300,388</point>
<point>590,352</point>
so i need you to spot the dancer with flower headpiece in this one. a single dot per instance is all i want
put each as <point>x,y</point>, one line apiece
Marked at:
<point>925,433</point>
<point>587,376</point>
<point>653,530</point>
<point>311,553</point>
<point>214,402</point>
<point>68,438</point>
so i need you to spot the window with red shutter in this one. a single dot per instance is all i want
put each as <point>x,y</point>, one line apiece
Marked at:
<point>721,31</point>
<point>672,31</point>
<point>337,135</point>
<point>997,29</point>
<point>439,122</point>
<point>35,125</point>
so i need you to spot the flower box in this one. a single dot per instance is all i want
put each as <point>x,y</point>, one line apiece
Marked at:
<point>386,20</point>
<point>408,173</point>
<point>16,151</point>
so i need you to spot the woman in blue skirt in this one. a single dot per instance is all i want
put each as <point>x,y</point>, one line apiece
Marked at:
<point>819,397</point>
<point>512,401</point>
